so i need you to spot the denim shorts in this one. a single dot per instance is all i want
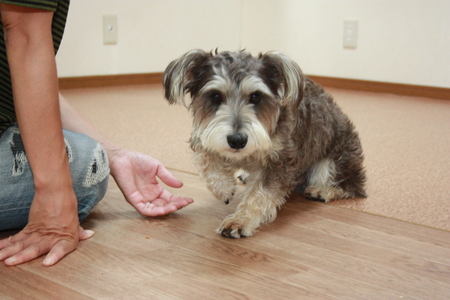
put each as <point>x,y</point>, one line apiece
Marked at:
<point>88,166</point>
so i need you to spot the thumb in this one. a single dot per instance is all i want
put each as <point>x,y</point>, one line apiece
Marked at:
<point>85,234</point>
<point>168,178</point>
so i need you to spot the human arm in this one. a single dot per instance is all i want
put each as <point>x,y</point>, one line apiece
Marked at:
<point>135,173</point>
<point>53,225</point>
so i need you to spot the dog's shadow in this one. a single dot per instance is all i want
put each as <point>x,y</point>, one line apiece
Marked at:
<point>297,210</point>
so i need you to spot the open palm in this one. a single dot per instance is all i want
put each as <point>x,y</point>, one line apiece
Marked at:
<point>135,174</point>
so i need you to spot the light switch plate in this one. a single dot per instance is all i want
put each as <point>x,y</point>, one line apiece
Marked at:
<point>110,29</point>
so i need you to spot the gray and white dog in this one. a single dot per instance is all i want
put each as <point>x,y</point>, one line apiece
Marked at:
<point>261,122</point>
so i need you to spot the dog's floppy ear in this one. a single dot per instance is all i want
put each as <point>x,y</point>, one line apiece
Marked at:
<point>284,77</point>
<point>179,77</point>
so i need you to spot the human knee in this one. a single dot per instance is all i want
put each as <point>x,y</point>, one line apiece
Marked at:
<point>87,158</point>
<point>90,171</point>
<point>91,197</point>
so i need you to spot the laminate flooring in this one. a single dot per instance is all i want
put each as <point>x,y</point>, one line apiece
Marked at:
<point>312,251</point>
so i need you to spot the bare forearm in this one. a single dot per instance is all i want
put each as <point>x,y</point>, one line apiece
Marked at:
<point>53,225</point>
<point>73,121</point>
<point>35,90</point>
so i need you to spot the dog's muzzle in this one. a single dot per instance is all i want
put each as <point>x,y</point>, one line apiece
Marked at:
<point>237,141</point>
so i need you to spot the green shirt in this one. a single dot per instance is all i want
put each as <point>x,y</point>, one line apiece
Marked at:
<point>60,8</point>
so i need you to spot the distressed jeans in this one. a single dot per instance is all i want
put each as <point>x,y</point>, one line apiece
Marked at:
<point>88,166</point>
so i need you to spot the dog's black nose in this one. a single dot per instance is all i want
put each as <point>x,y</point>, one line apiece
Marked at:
<point>237,141</point>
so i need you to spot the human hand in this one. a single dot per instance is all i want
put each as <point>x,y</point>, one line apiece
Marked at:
<point>135,174</point>
<point>52,229</point>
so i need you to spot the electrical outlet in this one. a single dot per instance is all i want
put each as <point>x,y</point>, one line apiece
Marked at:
<point>110,29</point>
<point>350,33</point>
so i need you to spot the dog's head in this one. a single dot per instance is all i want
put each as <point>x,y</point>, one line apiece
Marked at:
<point>235,98</point>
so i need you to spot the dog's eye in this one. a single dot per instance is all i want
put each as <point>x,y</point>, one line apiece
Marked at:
<point>255,98</point>
<point>215,97</point>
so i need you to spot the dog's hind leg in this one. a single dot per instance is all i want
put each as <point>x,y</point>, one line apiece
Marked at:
<point>327,181</point>
<point>321,185</point>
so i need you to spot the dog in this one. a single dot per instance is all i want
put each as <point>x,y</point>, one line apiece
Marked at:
<point>259,122</point>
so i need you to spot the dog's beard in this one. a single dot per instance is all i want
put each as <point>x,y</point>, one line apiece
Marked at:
<point>232,119</point>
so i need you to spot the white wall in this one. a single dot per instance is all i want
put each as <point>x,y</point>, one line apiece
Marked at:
<point>400,41</point>
<point>151,33</point>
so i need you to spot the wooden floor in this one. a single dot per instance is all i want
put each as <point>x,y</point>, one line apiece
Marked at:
<point>312,251</point>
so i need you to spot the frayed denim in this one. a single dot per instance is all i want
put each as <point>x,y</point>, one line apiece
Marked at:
<point>88,166</point>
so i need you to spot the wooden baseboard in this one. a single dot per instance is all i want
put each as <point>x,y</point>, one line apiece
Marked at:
<point>109,80</point>
<point>384,87</point>
<point>341,83</point>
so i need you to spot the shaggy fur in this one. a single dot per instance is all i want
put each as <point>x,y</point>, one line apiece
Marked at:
<point>259,121</point>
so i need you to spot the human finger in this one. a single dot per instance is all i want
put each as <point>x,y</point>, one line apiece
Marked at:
<point>150,209</point>
<point>19,255</point>
<point>13,239</point>
<point>168,178</point>
<point>168,197</point>
<point>6,242</point>
<point>10,250</point>
<point>58,251</point>
<point>161,207</point>
<point>85,234</point>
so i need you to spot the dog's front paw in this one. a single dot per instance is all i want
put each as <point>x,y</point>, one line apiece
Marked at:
<point>241,176</point>
<point>227,200</point>
<point>224,196</point>
<point>235,227</point>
